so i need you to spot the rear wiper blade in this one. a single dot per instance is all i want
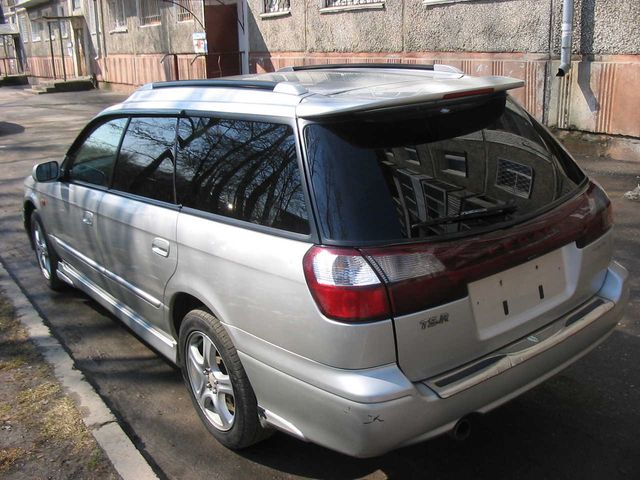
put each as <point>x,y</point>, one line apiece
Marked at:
<point>469,215</point>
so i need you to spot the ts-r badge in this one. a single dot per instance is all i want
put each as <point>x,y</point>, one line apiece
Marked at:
<point>434,321</point>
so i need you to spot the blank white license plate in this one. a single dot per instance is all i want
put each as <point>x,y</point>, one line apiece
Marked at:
<point>507,299</point>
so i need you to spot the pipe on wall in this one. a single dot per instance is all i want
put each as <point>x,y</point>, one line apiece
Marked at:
<point>567,38</point>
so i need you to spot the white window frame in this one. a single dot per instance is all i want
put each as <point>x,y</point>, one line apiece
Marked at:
<point>442,2</point>
<point>275,8</point>
<point>148,20</point>
<point>333,6</point>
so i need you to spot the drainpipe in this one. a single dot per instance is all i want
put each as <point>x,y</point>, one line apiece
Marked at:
<point>567,36</point>
<point>96,21</point>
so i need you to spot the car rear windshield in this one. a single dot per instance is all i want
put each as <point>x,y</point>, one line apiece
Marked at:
<point>449,170</point>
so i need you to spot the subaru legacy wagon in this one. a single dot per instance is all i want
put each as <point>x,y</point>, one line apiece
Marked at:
<point>358,255</point>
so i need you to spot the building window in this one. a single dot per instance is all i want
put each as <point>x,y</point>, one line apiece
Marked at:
<point>118,17</point>
<point>37,29</point>
<point>149,12</point>
<point>349,3</point>
<point>23,26</point>
<point>515,178</point>
<point>185,9</point>
<point>456,163</point>
<point>64,26</point>
<point>91,17</point>
<point>276,6</point>
<point>77,4</point>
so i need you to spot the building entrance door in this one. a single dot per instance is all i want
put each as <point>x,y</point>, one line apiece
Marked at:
<point>221,25</point>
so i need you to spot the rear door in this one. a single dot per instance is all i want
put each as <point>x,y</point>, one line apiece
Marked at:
<point>137,218</point>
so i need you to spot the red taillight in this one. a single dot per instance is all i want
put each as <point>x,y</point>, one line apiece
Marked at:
<point>468,93</point>
<point>374,283</point>
<point>601,215</point>
<point>344,285</point>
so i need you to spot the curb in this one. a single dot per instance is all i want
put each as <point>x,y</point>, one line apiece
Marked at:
<point>101,422</point>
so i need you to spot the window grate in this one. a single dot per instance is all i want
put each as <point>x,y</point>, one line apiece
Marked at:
<point>349,3</point>
<point>515,178</point>
<point>276,6</point>
<point>185,9</point>
<point>149,12</point>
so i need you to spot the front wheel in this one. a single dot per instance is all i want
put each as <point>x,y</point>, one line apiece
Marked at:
<point>217,383</point>
<point>45,254</point>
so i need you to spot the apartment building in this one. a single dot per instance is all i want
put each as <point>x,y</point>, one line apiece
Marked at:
<point>125,43</point>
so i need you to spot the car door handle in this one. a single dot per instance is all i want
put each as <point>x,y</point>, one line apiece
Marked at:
<point>160,246</point>
<point>87,218</point>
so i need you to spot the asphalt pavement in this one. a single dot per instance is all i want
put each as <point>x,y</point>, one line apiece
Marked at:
<point>583,423</point>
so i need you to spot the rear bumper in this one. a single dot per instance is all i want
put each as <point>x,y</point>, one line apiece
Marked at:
<point>352,419</point>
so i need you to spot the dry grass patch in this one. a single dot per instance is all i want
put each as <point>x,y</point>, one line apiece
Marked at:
<point>41,430</point>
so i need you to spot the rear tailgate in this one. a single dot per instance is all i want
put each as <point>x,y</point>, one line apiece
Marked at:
<point>500,308</point>
<point>479,225</point>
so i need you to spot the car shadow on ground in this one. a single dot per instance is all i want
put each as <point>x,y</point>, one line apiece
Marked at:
<point>9,128</point>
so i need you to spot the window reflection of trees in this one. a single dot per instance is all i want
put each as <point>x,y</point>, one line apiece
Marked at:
<point>242,169</point>
<point>145,162</point>
<point>93,161</point>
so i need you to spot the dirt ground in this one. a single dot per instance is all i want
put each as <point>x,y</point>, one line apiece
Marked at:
<point>41,432</point>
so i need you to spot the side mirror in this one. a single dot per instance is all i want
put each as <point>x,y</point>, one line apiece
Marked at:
<point>46,172</point>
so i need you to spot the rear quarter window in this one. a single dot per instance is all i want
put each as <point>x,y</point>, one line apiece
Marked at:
<point>245,170</point>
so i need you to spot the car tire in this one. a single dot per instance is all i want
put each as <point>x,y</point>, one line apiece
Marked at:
<point>46,256</point>
<point>217,383</point>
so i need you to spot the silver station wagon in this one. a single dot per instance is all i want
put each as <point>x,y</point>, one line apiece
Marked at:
<point>358,255</point>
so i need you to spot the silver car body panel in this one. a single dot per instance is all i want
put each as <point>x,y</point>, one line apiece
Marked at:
<point>254,282</point>
<point>65,210</point>
<point>138,244</point>
<point>159,340</point>
<point>366,429</point>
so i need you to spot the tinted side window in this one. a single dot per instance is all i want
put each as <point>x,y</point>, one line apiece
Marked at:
<point>93,161</point>
<point>241,169</point>
<point>145,163</point>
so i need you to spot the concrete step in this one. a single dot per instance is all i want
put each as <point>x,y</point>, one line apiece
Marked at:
<point>14,80</point>
<point>41,89</point>
<point>71,85</point>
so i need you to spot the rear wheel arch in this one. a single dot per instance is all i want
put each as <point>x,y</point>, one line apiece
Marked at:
<point>181,304</point>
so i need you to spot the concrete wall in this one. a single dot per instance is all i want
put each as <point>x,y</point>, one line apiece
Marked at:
<point>527,26</point>
<point>519,38</point>
<point>169,35</point>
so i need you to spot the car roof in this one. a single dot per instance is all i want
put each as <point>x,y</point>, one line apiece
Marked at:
<point>315,92</point>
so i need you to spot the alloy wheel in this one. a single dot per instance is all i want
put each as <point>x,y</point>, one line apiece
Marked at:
<point>210,381</point>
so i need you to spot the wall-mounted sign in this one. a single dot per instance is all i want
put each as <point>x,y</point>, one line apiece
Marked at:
<point>200,42</point>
